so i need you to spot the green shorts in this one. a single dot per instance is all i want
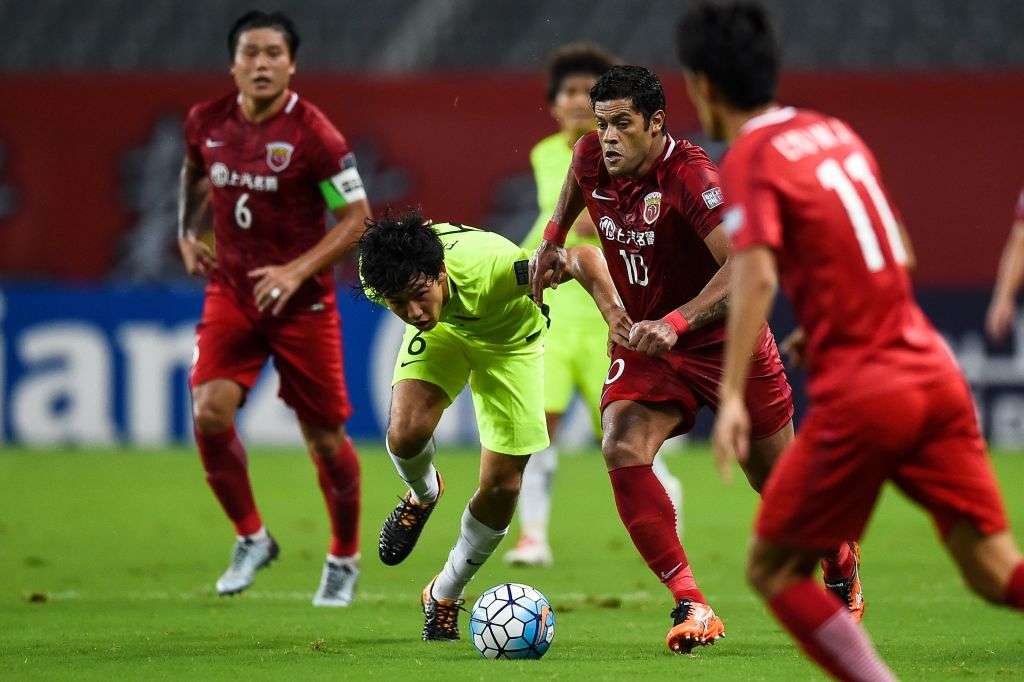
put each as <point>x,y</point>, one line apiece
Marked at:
<point>576,359</point>
<point>507,384</point>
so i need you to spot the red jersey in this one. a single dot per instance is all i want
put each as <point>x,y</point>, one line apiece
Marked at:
<point>807,186</point>
<point>652,228</point>
<point>264,178</point>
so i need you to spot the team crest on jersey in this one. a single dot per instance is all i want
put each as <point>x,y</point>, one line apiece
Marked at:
<point>652,207</point>
<point>279,155</point>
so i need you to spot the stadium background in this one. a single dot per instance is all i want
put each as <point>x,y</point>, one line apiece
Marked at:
<point>442,100</point>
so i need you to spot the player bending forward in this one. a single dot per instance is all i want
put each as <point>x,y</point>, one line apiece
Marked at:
<point>888,401</point>
<point>464,294</point>
<point>656,203</point>
<point>274,164</point>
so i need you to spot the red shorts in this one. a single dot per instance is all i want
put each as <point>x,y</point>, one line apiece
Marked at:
<point>923,437</point>
<point>233,343</point>
<point>690,378</point>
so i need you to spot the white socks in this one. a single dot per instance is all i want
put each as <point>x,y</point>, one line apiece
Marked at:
<point>535,494</point>
<point>475,545</point>
<point>418,472</point>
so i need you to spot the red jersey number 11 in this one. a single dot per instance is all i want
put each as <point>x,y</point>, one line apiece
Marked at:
<point>832,176</point>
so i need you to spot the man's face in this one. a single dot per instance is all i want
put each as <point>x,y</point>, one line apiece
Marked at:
<point>263,64</point>
<point>699,89</point>
<point>624,140</point>
<point>571,107</point>
<point>420,304</point>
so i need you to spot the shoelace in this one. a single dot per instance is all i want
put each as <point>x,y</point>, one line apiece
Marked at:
<point>444,617</point>
<point>410,512</point>
<point>681,612</point>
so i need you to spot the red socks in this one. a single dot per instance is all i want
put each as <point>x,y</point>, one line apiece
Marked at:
<point>839,565</point>
<point>827,632</point>
<point>1015,590</point>
<point>225,463</point>
<point>339,481</point>
<point>648,515</point>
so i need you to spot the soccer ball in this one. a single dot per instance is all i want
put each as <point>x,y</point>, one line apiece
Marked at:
<point>512,621</point>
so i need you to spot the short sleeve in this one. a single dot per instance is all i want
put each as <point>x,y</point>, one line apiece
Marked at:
<point>193,137</point>
<point>751,216</point>
<point>510,273</point>
<point>333,165</point>
<point>695,190</point>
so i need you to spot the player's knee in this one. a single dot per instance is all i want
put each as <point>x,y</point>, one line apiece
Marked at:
<point>324,445</point>
<point>501,488</point>
<point>408,435</point>
<point>211,417</point>
<point>760,575</point>
<point>620,453</point>
<point>987,585</point>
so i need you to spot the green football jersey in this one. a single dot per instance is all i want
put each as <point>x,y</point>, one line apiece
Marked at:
<point>570,303</point>
<point>489,287</point>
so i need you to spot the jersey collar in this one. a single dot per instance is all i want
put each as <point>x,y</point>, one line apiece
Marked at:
<point>768,118</point>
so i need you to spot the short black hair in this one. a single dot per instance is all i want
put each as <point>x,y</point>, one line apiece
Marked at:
<point>631,82</point>
<point>734,44</point>
<point>573,59</point>
<point>257,19</point>
<point>395,250</point>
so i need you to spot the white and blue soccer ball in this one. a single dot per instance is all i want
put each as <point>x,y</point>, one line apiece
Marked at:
<point>512,621</point>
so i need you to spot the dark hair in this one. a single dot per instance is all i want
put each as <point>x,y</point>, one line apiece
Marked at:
<point>257,19</point>
<point>574,59</point>
<point>635,83</point>
<point>734,45</point>
<point>395,250</point>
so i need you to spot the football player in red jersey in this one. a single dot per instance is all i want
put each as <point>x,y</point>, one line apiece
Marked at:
<point>657,205</point>
<point>1002,311</point>
<point>888,402</point>
<point>273,164</point>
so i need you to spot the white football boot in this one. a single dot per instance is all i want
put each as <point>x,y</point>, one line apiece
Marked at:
<point>530,552</point>
<point>337,582</point>
<point>247,557</point>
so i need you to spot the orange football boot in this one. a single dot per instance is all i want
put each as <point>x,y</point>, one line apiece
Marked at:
<point>693,624</point>
<point>849,590</point>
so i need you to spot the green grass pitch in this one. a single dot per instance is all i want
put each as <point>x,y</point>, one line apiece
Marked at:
<point>108,558</point>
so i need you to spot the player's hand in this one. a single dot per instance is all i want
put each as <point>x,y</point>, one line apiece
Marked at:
<point>1000,318</point>
<point>275,284</point>
<point>197,255</point>
<point>652,337</point>
<point>794,345</point>
<point>619,325</point>
<point>546,268</point>
<point>731,435</point>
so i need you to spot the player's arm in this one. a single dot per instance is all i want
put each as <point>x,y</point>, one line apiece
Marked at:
<point>1003,308</point>
<point>751,291</point>
<point>655,337</point>
<point>198,257</point>
<point>549,260</point>
<point>287,278</point>
<point>586,264</point>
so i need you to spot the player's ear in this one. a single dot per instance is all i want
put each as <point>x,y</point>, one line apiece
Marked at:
<point>657,122</point>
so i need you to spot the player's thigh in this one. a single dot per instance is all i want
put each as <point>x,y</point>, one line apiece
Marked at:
<point>950,473</point>
<point>824,487</point>
<point>508,397</point>
<point>633,431</point>
<point>228,344</point>
<point>558,372</point>
<point>590,369</point>
<point>987,561</point>
<point>307,354</point>
<point>430,371</point>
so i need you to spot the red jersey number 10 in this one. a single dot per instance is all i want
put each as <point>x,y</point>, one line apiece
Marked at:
<point>832,176</point>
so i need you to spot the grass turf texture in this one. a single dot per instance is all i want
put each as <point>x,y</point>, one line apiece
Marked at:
<point>108,561</point>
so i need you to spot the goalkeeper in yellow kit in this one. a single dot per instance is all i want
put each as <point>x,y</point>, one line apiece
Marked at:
<point>575,354</point>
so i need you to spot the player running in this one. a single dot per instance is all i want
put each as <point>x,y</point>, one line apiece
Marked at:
<point>1002,311</point>
<point>657,204</point>
<point>464,294</point>
<point>888,401</point>
<point>273,163</point>
<point>575,351</point>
